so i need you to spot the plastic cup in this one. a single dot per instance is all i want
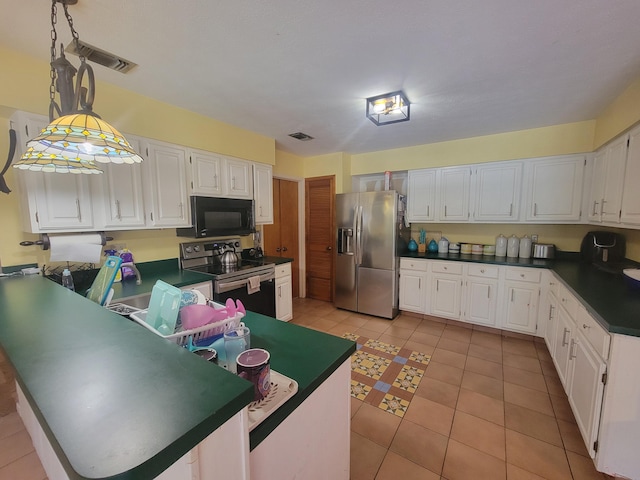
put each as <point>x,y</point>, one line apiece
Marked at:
<point>236,341</point>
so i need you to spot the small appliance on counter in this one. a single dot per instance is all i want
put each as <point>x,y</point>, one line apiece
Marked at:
<point>605,250</point>
<point>543,250</point>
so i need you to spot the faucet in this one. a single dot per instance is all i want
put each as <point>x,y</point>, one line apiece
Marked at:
<point>133,267</point>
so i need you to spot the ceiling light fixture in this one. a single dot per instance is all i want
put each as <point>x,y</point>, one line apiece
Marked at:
<point>78,138</point>
<point>388,108</point>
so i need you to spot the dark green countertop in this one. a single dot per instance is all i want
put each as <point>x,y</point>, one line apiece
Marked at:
<point>305,355</point>
<point>115,400</point>
<point>604,295</point>
<point>492,259</point>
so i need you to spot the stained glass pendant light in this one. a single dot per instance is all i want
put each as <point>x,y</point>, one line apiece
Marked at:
<point>78,138</point>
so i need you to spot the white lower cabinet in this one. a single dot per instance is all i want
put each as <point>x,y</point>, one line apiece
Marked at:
<point>413,285</point>
<point>480,297</point>
<point>521,292</point>
<point>580,350</point>
<point>586,387</point>
<point>284,300</point>
<point>446,289</point>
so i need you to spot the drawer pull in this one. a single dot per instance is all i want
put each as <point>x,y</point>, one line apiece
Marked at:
<point>573,349</point>
<point>564,337</point>
<point>585,326</point>
<point>482,270</point>
<point>444,268</point>
<point>522,275</point>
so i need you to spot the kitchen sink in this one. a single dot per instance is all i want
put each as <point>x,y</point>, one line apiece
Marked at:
<point>140,302</point>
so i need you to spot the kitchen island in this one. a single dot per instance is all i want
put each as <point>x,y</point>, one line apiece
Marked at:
<point>115,401</point>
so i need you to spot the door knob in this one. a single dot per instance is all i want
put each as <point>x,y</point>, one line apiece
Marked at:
<point>284,249</point>
<point>278,249</point>
<point>329,248</point>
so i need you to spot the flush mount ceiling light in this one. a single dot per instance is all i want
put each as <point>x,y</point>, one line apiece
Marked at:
<point>388,108</point>
<point>77,139</point>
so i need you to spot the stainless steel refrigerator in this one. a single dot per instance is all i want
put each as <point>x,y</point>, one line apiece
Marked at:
<point>371,235</point>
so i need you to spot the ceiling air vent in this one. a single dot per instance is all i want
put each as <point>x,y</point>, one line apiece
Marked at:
<point>96,55</point>
<point>301,136</point>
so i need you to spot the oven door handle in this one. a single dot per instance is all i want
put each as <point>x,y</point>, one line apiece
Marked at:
<point>222,287</point>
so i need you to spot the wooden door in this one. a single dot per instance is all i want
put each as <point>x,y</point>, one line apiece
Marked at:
<point>319,241</point>
<point>281,237</point>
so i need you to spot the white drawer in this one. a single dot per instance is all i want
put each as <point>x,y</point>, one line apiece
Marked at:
<point>447,267</point>
<point>523,274</point>
<point>283,270</point>
<point>482,270</point>
<point>598,337</point>
<point>567,300</point>
<point>413,264</point>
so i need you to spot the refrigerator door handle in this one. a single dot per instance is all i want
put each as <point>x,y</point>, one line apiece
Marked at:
<point>358,247</point>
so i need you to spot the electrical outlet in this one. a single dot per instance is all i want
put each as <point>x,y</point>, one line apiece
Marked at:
<point>534,238</point>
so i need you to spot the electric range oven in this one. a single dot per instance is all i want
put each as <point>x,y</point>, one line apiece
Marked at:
<point>233,281</point>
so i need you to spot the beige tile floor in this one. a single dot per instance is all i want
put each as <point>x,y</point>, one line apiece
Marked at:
<point>489,407</point>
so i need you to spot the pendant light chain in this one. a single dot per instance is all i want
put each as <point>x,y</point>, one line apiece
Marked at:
<point>54,39</point>
<point>74,34</point>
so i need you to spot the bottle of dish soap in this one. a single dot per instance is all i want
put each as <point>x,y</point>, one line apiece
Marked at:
<point>67,280</point>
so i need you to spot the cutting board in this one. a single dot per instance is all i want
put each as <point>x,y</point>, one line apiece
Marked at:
<point>163,307</point>
<point>102,284</point>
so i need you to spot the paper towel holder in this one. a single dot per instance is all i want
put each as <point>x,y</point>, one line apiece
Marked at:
<point>46,244</point>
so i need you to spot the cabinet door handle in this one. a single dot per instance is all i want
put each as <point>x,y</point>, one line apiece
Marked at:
<point>564,337</point>
<point>551,308</point>
<point>278,249</point>
<point>488,291</point>
<point>151,216</point>
<point>260,210</point>
<point>595,204</point>
<point>419,284</point>
<point>572,349</point>
<point>535,209</point>
<point>233,183</point>
<point>511,209</point>
<point>215,180</point>
<point>284,249</point>
<point>437,284</point>
<point>78,212</point>
<point>118,212</point>
<point>280,291</point>
<point>602,202</point>
<point>445,210</point>
<point>512,291</point>
<point>427,210</point>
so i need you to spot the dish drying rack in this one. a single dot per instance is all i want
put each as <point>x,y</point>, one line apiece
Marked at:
<point>181,337</point>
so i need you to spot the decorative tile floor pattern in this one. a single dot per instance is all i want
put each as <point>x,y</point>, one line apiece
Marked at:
<point>384,375</point>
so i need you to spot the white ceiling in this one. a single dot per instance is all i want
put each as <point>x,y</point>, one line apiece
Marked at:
<point>275,67</point>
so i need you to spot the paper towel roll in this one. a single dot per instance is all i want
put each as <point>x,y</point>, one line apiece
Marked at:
<point>76,248</point>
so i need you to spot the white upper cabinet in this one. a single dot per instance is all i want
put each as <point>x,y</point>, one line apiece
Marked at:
<point>454,194</point>
<point>119,198</point>
<point>50,202</point>
<point>263,193</point>
<point>238,178</point>
<point>166,185</point>
<point>596,195</point>
<point>630,211</point>
<point>205,173</point>
<point>497,192</point>
<point>554,189</point>
<point>421,195</point>
<point>612,178</point>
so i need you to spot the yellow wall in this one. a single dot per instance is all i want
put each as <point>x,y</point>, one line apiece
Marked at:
<point>537,142</point>
<point>288,165</point>
<point>623,113</point>
<point>25,86</point>
<point>337,164</point>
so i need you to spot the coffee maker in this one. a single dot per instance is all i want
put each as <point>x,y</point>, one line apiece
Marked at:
<point>603,249</point>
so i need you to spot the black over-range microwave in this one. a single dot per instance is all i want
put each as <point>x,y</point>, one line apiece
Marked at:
<point>218,217</point>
